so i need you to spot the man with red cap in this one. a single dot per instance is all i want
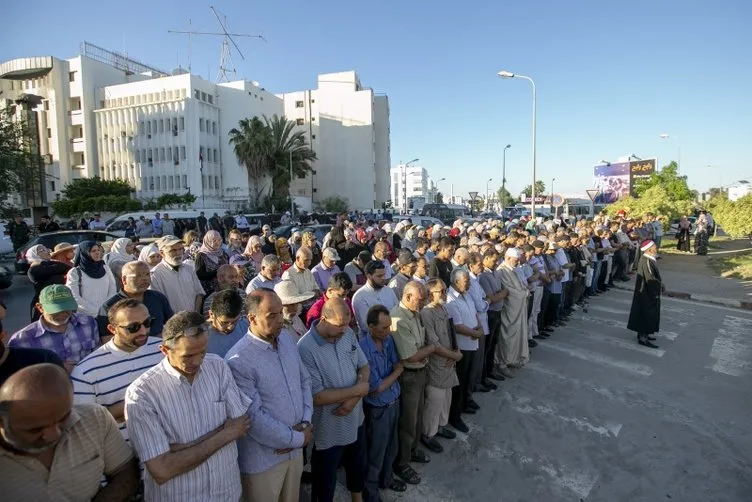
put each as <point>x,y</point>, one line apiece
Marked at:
<point>645,314</point>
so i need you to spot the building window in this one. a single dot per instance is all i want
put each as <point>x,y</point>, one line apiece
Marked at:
<point>71,76</point>
<point>201,125</point>
<point>182,123</point>
<point>182,153</point>
<point>49,133</point>
<point>158,184</point>
<point>169,182</point>
<point>313,119</point>
<point>299,121</point>
<point>313,136</point>
<point>52,186</point>
<point>299,104</point>
<point>161,125</point>
<point>216,182</point>
<point>203,181</point>
<point>203,96</point>
<point>161,155</point>
<point>211,99</point>
<point>209,155</point>
<point>197,94</point>
<point>169,153</point>
<point>137,156</point>
<point>177,182</point>
<point>216,156</point>
<point>214,128</point>
<point>185,181</point>
<point>47,104</point>
<point>176,154</point>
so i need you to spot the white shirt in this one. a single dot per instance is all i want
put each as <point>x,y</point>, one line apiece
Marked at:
<point>241,222</point>
<point>90,293</point>
<point>366,297</point>
<point>462,311</point>
<point>561,258</point>
<point>97,225</point>
<point>481,305</point>
<point>181,286</point>
<point>163,408</point>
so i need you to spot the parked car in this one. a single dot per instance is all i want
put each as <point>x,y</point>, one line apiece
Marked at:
<point>319,230</point>
<point>52,239</point>
<point>6,277</point>
<point>6,246</point>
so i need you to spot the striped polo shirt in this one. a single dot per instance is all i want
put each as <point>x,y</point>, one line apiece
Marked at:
<point>103,376</point>
<point>333,366</point>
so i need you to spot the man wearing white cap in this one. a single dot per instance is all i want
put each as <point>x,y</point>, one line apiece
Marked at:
<point>326,268</point>
<point>512,350</point>
<point>645,314</point>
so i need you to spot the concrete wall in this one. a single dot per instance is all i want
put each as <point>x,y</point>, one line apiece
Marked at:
<point>382,148</point>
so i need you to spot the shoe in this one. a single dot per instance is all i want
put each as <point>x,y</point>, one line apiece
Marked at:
<point>408,474</point>
<point>396,485</point>
<point>469,411</point>
<point>460,426</point>
<point>532,343</point>
<point>481,388</point>
<point>647,343</point>
<point>495,375</point>
<point>472,404</point>
<point>431,444</point>
<point>420,456</point>
<point>506,372</point>
<point>540,337</point>
<point>546,330</point>
<point>651,338</point>
<point>490,384</point>
<point>446,433</point>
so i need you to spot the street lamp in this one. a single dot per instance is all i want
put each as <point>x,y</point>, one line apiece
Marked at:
<point>678,149</point>
<point>487,182</point>
<point>404,186</point>
<point>508,74</point>
<point>504,179</point>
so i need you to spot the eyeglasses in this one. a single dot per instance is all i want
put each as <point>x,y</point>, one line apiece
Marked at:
<point>188,332</point>
<point>135,326</point>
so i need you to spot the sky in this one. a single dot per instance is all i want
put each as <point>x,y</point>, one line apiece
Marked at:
<point>611,77</point>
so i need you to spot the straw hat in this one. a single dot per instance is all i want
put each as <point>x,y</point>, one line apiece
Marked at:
<point>289,294</point>
<point>62,248</point>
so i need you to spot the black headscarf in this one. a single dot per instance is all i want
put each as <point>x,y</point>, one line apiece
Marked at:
<point>83,260</point>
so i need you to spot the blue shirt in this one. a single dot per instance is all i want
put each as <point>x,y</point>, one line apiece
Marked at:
<point>333,366</point>
<point>280,389</point>
<point>321,275</point>
<point>81,337</point>
<point>381,364</point>
<point>220,343</point>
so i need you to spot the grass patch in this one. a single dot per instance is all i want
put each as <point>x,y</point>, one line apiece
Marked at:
<point>736,267</point>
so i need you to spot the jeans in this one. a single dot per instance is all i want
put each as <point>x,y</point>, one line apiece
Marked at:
<point>381,433</point>
<point>326,463</point>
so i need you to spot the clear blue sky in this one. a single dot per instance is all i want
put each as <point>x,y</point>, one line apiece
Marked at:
<point>611,76</point>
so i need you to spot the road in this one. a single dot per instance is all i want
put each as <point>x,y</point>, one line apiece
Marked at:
<point>596,417</point>
<point>17,299</point>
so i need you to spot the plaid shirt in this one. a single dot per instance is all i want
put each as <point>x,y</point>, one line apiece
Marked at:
<point>80,338</point>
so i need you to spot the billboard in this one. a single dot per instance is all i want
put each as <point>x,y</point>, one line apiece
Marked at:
<point>638,170</point>
<point>618,180</point>
<point>612,182</point>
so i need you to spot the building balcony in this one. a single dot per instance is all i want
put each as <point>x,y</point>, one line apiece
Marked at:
<point>79,145</point>
<point>77,117</point>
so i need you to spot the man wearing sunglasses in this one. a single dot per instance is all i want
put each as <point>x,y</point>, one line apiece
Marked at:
<point>103,375</point>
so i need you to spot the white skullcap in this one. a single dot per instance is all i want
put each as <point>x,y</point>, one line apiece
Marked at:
<point>513,252</point>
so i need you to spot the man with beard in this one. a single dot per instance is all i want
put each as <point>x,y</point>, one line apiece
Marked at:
<point>70,335</point>
<point>265,360</point>
<point>184,416</point>
<point>102,376</point>
<point>373,293</point>
<point>136,280</point>
<point>45,440</point>
<point>645,314</point>
<point>512,350</point>
<point>178,282</point>
<point>226,322</point>
<point>227,280</point>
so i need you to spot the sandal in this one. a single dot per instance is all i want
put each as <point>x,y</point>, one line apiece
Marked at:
<point>419,456</point>
<point>408,474</point>
<point>398,486</point>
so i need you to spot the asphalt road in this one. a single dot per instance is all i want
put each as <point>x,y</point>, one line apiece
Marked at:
<point>17,300</point>
<point>596,417</point>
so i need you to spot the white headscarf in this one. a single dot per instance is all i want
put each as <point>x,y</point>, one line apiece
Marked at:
<point>118,251</point>
<point>147,251</point>
<point>33,253</point>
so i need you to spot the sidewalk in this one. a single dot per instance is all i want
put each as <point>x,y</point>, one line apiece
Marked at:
<point>691,278</point>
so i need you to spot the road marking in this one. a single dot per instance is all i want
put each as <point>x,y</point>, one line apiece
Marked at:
<point>537,366</point>
<point>526,406</point>
<point>733,347</point>
<point>581,483</point>
<point>602,308</point>
<point>594,357</point>
<point>693,304</point>
<point>616,341</point>
<point>664,308</point>
<point>614,323</point>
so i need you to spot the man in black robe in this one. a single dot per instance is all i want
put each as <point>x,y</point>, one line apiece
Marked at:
<point>645,314</point>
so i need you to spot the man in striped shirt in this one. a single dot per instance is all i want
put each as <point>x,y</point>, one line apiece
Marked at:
<point>184,416</point>
<point>102,376</point>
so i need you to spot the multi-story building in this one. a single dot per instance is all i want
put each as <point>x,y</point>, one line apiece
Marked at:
<point>103,114</point>
<point>411,186</point>
<point>347,126</point>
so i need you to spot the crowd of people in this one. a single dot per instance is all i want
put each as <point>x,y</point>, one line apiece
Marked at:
<point>213,368</point>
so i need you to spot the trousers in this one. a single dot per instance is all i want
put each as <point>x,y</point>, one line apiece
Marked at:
<point>412,388</point>
<point>381,438</point>
<point>280,483</point>
<point>492,340</point>
<point>436,409</point>
<point>461,393</point>
<point>532,322</point>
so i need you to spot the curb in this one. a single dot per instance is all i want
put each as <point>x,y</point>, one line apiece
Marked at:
<point>738,304</point>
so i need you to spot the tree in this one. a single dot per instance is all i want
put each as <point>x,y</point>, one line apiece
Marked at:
<point>168,200</point>
<point>334,204</point>
<point>287,145</point>
<point>676,186</point>
<point>505,198</point>
<point>439,198</point>
<point>656,200</point>
<point>732,216</point>
<point>19,165</point>
<point>253,145</point>
<point>84,188</point>
<point>540,188</point>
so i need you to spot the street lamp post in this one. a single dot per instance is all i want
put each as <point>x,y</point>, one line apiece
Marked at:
<point>487,182</point>
<point>404,185</point>
<point>678,149</point>
<point>508,74</point>
<point>504,179</point>
<point>552,196</point>
<point>436,190</point>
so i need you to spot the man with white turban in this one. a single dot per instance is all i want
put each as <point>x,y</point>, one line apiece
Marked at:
<point>512,350</point>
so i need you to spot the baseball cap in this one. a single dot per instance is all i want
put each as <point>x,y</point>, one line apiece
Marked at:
<point>167,241</point>
<point>331,253</point>
<point>57,298</point>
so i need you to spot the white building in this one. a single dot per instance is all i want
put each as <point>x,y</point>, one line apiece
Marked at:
<point>412,184</point>
<point>739,189</point>
<point>103,114</point>
<point>348,127</point>
<point>59,97</point>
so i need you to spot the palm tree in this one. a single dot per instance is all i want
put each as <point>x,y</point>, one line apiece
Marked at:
<point>253,145</point>
<point>287,145</point>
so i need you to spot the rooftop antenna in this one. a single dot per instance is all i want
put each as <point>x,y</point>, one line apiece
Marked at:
<point>226,66</point>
